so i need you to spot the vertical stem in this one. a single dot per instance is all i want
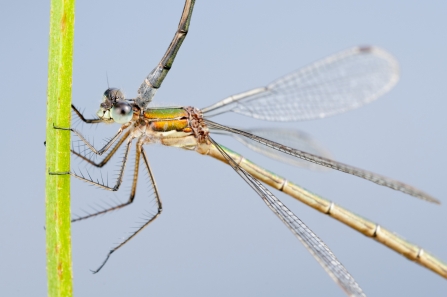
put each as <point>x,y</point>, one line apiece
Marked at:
<point>57,188</point>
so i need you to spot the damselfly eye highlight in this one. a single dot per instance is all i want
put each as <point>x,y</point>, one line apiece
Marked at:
<point>121,112</point>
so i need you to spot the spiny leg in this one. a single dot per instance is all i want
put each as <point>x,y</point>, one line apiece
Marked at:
<point>107,157</point>
<point>149,220</point>
<point>90,146</point>
<point>132,191</point>
<point>81,116</point>
<point>97,183</point>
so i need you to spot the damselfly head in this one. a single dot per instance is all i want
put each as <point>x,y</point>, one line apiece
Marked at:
<point>114,107</point>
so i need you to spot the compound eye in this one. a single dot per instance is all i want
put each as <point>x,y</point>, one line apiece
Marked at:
<point>114,94</point>
<point>121,112</point>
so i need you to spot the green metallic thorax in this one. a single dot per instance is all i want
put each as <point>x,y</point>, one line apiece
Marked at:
<point>165,113</point>
<point>167,119</point>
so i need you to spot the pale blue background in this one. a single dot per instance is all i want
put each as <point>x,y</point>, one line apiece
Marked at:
<point>215,236</point>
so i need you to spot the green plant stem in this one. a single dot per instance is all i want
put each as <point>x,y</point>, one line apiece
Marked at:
<point>57,188</point>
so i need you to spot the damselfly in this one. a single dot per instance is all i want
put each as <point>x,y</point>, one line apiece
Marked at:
<point>333,85</point>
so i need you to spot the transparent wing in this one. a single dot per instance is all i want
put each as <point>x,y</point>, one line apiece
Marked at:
<point>290,137</point>
<point>319,250</point>
<point>368,175</point>
<point>336,84</point>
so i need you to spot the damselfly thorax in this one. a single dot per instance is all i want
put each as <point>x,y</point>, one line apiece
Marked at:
<point>182,127</point>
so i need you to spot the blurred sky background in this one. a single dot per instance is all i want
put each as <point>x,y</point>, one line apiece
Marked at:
<point>216,237</point>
